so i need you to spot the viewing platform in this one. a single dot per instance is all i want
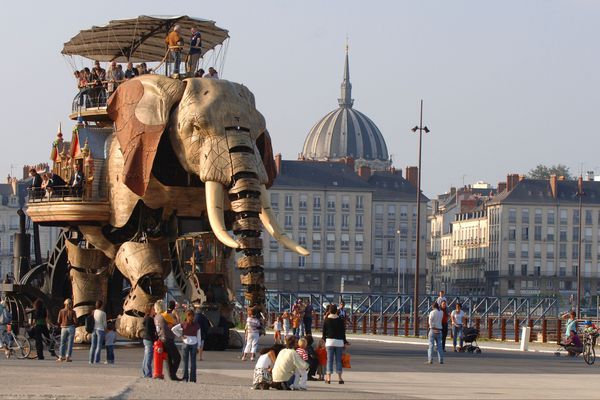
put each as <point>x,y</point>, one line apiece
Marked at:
<point>90,105</point>
<point>58,209</point>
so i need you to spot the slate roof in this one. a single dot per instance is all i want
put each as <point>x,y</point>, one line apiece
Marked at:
<point>538,191</point>
<point>393,187</point>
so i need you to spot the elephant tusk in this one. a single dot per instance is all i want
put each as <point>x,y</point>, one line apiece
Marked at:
<point>215,193</point>
<point>269,221</point>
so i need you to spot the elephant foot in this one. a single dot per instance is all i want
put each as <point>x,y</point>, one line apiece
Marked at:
<point>142,264</point>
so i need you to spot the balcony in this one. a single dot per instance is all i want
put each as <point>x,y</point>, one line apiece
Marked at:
<point>90,104</point>
<point>469,261</point>
<point>63,206</point>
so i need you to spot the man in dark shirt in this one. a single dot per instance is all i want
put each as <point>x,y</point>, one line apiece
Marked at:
<point>195,52</point>
<point>36,184</point>
<point>308,317</point>
<point>76,181</point>
<point>131,72</point>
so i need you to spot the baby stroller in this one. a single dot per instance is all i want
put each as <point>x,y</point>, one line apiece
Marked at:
<point>470,338</point>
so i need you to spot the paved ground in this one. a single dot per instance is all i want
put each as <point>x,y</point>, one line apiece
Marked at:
<point>391,369</point>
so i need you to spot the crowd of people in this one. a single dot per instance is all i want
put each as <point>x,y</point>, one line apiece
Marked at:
<point>293,359</point>
<point>48,184</point>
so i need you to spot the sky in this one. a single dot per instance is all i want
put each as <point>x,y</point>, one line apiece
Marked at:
<point>506,85</point>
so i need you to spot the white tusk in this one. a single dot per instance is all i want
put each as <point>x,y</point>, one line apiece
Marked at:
<point>215,193</point>
<point>269,221</point>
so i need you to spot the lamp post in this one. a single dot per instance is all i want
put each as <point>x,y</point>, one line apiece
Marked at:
<point>420,128</point>
<point>580,194</point>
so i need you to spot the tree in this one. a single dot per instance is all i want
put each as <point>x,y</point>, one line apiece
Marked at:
<point>544,172</point>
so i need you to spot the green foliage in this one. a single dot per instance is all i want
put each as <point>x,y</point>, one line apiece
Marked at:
<point>544,172</point>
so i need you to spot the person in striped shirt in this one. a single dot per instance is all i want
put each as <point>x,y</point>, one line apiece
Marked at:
<point>301,376</point>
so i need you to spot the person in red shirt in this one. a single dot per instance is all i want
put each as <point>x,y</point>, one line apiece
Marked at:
<point>445,319</point>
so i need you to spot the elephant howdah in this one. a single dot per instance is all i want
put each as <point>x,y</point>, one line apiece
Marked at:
<point>196,148</point>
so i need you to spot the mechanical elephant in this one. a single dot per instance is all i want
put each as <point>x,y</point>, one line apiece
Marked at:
<point>196,148</point>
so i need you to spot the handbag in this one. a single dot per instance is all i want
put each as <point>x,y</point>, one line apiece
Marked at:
<point>346,360</point>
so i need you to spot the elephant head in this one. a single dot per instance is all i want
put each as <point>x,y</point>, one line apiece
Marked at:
<point>217,134</point>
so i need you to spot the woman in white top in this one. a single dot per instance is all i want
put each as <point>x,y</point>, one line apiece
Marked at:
<point>189,331</point>
<point>98,334</point>
<point>253,326</point>
<point>435,333</point>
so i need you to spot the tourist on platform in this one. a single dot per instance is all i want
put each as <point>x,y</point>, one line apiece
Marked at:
<point>199,73</point>
<point>308,317</point>
<point>109,343</point>
<point>174,45</point>
<point>190,333</point>
<point>252,332</point>
<point>45,182</point>
<point>435,334</point>
<point>56,185</point>
<point>212,73</point>
<point>441,298</point>
<point>277,326</point>
<point>148,339</point>
<point>334,334</point>
<point>36,184</point>
<point>287,363</point>
<point>195,52</point>
<point>98,333</point>
<point>67,320</point>
<point>263,370</point>
<point>114,76</point>
<point>97,80</point>
<point>445,319</point>
<point>164,322</point>
<point>458,319</point>
<point>76,181</point>
<point>204,324</point>
<point>131,72</point>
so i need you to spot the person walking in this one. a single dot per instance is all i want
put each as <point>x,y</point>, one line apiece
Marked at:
<point>190,333</point>
<point>308,317</point>
<point>204,325</point>
<point>98,333</point>
<point>445,319</point>
<point>67,320</point>
<point>457,318</point>
<point>164,321</point>
<point>334,334</point>
<point>252,330</point>
<point>435,334</point>
<point>148,338</point>
<point>40,328</point>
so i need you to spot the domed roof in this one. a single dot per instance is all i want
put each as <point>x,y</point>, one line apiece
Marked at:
<point>345,132</point>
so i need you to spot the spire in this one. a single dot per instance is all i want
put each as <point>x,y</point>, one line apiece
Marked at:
<point>346,99</point>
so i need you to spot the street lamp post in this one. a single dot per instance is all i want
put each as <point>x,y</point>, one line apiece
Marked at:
<point>420,128</point>
<point>580,194</point>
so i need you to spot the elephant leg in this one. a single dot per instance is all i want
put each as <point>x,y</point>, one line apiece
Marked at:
<point>144,267</point>
<point>89,279</point>
<point>245,203</point>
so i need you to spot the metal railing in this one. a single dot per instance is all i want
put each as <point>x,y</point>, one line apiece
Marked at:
<point>55,194</point>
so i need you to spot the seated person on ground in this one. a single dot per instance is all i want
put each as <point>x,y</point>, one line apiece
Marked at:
<point>573,344</point>
<point>287,363</point>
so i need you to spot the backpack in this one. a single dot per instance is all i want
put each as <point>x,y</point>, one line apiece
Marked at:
<point>89,323</point>
<point>5,317</point>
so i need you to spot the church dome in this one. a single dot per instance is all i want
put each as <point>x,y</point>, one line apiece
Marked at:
<point>346,132</point>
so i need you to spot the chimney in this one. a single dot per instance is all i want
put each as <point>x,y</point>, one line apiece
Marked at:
<point>349,161</point>
<point>452,191</point>
<point>511,181</point>
<point>364,171</point>
<point>590,176</point>
<point>278,163</point>
<point>412,175</point>
<point>501,187</point>
<point>553,185</point>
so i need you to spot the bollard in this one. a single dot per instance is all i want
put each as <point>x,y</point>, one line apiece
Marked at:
<point>544,330</point>
<point>516,330</point>
<point>558,330</point>
<point>374,325</point>
<point>406,325</point>
<point>242,319</point>
<point>396,320</point>
<point>490,328</point>
<point>354,324</point>
<point>530,325</point>
<point>316,321</point>
<point>364,324</point>
<point>478,323</point>
<point>503,329</point>
<point>385,322</point>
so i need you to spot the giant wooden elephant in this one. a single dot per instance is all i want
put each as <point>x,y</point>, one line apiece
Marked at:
<point>190,148</point>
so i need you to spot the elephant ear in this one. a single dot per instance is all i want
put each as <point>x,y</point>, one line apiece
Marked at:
<point>263,143</point>
<point>140,110</point>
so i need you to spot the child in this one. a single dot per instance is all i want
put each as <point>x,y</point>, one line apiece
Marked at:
<point>301,376</point>
<point>109,342</point>
<point>296,324</point>
<point>286,324</point>
<point>277,328</point>
<point>322,356</point>
<point>262,370</point>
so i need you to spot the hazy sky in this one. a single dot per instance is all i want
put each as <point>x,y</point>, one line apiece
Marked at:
<point>506,84</point>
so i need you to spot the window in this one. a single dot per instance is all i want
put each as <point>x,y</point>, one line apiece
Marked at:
<point>288,202</point>
<point>302,221</point>
<point>523,269</point>
<point>562,272</point>
<point>511,285</point>
<point>302,239</point>
<point>563,217</point>
<point>378,228</point>
<point>316,221</point>
<point>403,212</point>
<point>525,233</point>
<point>588,217</point>
<point>14,223</point>
<point>575,235</point>
<point>345,202</point>
<point>563,234</point>
<point>316,259</point>
<point>11,244</point>
<point>330,221</point>
<point>403,230</point>
<point>359,221</point>
<point>511,250</point>
<point>302,203</point>
<point>403,248</point>
<point>358,241</point>
<point>331,202</point>
<point>360,203</point>
<point>345,219</point>
<point>330,241</point>
<point>575,217</point>
<point>538,216</point>
<point>301,261</point>
<point>524,250</point>
<point>345,241</point>
<point>317,202</point>
<point>378,247</point>
<point>550,250</point>
<point>550,234</point>
<point>511,269</point>
<point>588,234</point>
<point>275,200</point>
<point>391,246</point>
<point>391,211</point>
<point>525,215</point>
<point>575,250</point>
<point>588,251</point>
<point>512,233</point>
<point>316,241</point>
<point>379,211</point>
<point>550,217</point>
<point>288,221</point>
<point>537,235</point>
<point>574,270</point>
<point>537,250</point>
